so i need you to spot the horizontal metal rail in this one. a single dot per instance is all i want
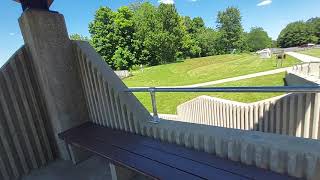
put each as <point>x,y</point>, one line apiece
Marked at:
<point>259,89</point>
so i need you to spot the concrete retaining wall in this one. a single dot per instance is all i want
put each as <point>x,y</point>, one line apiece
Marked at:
<point>293,114</point>
<point>24,142</point>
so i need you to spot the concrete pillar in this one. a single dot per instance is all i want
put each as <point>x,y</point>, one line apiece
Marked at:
<point>47,42</point>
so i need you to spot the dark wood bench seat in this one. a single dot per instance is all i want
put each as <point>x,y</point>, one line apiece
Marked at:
<point>157,159</point>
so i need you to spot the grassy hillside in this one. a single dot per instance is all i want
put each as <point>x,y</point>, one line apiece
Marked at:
<point>167,102</point>
<point>312,52</point>
<point>201,70</point>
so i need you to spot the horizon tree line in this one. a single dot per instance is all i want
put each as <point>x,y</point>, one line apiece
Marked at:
<point>145,34</point>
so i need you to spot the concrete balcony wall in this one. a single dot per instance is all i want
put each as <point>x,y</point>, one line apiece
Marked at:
<point>106,100</point>
<point>24,139</point>
<point>294,156</point>
<point>109,105</point>
<point>294,114</point>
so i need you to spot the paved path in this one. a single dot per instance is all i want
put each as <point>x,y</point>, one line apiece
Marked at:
<point>303,57</point>
<point>230,79</point>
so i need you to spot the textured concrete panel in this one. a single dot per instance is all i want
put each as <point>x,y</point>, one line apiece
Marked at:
<point>51,52</point>
<point>24,139</point>
<point>291,114</point>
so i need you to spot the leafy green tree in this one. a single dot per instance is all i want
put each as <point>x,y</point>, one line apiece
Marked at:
<point>190,42</point>
<point>79,37</point>
<point>296,34</point>
<point>258,39</point>
<point>190,47</point>
<point>314,25</point>
<point>147,27</point>
<point>207,39</point>
<point>112,36</point>
<point>198,23</point>
<point>194,25</point>
<point>230,30</point>
<point>170,38</point>
<point>102,34</point>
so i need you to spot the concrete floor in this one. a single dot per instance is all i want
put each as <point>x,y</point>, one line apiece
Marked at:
<point>94,168</point>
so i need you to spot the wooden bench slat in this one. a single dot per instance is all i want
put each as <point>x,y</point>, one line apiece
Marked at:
<point>173,156</point>
<point>171,160</point>
<point>251,172</point>
<point>129,160</point>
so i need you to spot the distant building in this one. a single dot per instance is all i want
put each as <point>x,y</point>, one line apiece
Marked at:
<point>265,53</point>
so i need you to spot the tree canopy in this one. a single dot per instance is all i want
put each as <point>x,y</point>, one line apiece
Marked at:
<point>145,34</point>
<point>297,34</point>
<point>231,30</point>
<point>258,39</point>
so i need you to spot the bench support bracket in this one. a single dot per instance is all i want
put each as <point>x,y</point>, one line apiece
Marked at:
<point>120,173</point>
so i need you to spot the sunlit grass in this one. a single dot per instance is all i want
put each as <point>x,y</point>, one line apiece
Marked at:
<point>204,69</point>
<point>168,102</point>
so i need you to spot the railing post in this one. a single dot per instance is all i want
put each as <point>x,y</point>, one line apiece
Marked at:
<point>154,105</point>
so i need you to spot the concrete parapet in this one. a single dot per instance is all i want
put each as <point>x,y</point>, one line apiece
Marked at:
<point>107,101</point>
<point>291,114</point>
<point>24,136</point>
<point>294,156</point>
<point>47,42</point>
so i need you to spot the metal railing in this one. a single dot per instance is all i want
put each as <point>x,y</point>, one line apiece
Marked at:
<point>257,89</point>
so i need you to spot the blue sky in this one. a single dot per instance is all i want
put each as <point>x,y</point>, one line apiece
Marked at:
<point>272,15</point>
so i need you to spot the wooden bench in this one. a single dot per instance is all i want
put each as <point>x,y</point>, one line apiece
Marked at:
<point>157,159</point>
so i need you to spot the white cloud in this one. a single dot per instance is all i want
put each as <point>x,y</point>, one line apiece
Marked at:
<point>166,1</point>
<point>194,0</point>
<point>12,34</point>
<point>265,3</point>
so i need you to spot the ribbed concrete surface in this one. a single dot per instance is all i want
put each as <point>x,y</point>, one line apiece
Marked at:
<point>297,157</point>
<point>24,143</point>
<point>294,114</point>
<point>107,102</point>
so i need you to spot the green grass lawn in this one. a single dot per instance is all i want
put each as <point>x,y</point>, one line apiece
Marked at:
<point>204,69</point>
<point>311,52</point>
<point>168,102</point>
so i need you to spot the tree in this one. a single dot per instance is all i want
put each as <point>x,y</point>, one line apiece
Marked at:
<point>102,34</point>
<point>112,36</point>
<point>171,34</point>
<point>207,39</point>
<point>314,25</point>
<point>158,33</point>
<point>296,34</point>
<point>193,25</point>
<point>146,27</point>
<point>79,37</point>
<point>230,30</point>
<point>258,39</point>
